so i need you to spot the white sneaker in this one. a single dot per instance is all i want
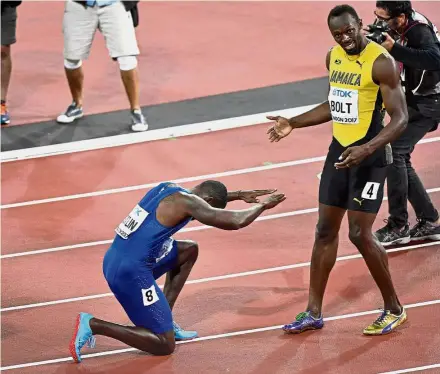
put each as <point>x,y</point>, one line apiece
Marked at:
<point>139,121</point>
<point>72,113</point>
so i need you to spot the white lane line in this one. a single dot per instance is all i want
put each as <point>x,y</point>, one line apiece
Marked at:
<point>210,337</point>
<point>56,249</point>
<point>152,135</point>
<point>188,229</point>
<point>412,370</point>
<point>180,180</point>
<point>213,279</point>
<point>429,140</point>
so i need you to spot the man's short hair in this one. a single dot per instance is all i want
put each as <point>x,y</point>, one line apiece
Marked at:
<point>396,8</point>
<point>217,190</point>
<point>339,10</point>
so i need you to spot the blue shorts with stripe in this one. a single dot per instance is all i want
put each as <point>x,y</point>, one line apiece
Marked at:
<point>136,288</point>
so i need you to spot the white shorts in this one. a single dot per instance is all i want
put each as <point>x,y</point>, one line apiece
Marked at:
<point>113,21</point>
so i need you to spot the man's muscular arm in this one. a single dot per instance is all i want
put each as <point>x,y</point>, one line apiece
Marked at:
<point>224,219</point>
<point>386,75</point>
<point>249,196</point>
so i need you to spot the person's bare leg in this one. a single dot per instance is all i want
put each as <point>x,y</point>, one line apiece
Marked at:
<point>160,342</point>
<point>324,255</point>
<point>136,337</point>
<point>375,256</point>
<point>6,77</point>
<point>75,79</point>
<point>6,71</point>
<point>175,279</point>
<point>130,79</point>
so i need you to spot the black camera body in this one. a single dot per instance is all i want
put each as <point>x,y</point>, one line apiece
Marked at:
<point>376,30</point>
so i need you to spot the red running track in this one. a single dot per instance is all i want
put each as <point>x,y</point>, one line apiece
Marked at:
<point>25,233</point>
<point>224,305</point>
<point>264,244</point>
<point>252,302</point>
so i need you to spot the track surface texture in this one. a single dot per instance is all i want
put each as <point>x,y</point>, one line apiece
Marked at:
<point>59,211</point>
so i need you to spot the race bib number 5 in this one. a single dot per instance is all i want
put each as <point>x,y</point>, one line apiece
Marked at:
<point>344,105</point>
<point>132,222</point>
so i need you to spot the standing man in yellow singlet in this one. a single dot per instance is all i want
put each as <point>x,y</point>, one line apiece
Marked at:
<point>364,80</point>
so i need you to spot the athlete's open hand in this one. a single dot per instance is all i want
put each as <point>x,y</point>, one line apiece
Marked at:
<point>251,195</point>
<point>352,156</point>
<point>280,129</point>
<point>273,200</point>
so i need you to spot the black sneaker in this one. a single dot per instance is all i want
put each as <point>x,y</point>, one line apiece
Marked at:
<point>391,234</point>
<point>425,230</point>
<point>72,113</point>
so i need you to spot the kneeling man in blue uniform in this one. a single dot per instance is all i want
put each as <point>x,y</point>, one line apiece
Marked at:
<point>143,250</point>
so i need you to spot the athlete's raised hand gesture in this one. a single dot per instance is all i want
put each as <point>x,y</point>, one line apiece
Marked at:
<point>251,195</point>
<point>273,200</point>
<point>280,129</point>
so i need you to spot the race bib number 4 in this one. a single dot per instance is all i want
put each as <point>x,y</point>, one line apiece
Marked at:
<point>132,222</point>
<point>344,105</point>
<point>370,190</point>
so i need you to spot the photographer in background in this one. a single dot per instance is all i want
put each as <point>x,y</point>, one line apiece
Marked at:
<point>414,42</point>
<point>9,27</point>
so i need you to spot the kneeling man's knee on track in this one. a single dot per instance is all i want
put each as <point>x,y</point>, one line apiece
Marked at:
<point>168,343</point>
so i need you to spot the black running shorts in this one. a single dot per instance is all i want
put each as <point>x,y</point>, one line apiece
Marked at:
<point>358,188</point>
<point>9,25</point>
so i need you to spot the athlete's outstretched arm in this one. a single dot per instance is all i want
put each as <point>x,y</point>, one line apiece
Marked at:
<point>249,196</point>
<point>224,219</point>
<point>319,114</point>
<point>316,116</point>
<point>386,74</point>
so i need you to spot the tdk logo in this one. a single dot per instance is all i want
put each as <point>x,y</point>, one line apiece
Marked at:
<point>341,93</point>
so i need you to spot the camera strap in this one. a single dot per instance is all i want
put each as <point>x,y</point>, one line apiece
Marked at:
<point>417,19</point>
<point>420,19</point>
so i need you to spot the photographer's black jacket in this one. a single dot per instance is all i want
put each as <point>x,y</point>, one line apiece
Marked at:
<point>419,52</point>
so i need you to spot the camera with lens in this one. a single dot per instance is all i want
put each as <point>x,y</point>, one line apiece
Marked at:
<point>375,31</point>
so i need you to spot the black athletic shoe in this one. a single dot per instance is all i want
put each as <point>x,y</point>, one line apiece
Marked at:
<point>392,235</point>
<point>425,230</point>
